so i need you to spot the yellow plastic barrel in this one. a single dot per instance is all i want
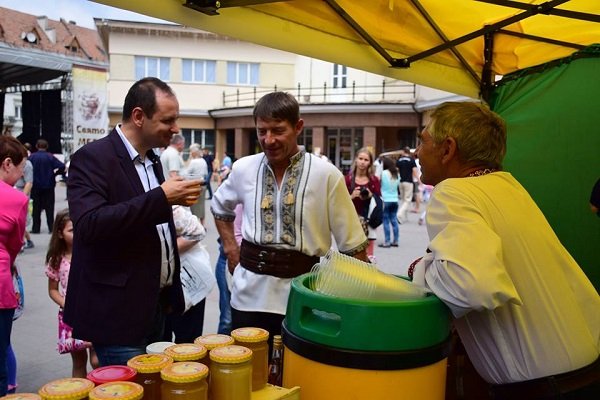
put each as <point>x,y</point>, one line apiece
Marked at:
<point>364,349</point>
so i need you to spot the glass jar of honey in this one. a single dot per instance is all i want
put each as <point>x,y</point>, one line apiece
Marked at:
<point>230,373</point>
<point>256,340</point>
<point>22,396</point>
<point>117,390</point>
<point>148,367</point>
<point>213,341</point>
<point>187,352</point>
<point>66,389</point>
<point>184,380</point>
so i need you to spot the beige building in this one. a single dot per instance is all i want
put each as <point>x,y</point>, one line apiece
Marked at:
<point>218,79</point>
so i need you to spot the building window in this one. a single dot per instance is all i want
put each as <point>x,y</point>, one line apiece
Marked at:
<point>17,111</point>
<point>239,73</point>
<point>340,74</point>
<point>305,139</point>
<point>158,67</point>
<point>204,137</point>
<point>202,71</point>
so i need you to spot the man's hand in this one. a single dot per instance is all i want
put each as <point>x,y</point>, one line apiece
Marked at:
<point>181,192</point>
<point>233,258</point>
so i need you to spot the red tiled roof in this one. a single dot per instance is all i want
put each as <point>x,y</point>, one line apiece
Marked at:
<point>14,23</point>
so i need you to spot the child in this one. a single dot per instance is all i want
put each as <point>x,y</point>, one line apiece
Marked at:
<point>58,263</point>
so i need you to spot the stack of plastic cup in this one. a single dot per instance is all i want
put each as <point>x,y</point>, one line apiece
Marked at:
<point>343,276</point>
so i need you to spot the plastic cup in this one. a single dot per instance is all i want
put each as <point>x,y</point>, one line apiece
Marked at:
<point>343,276</point>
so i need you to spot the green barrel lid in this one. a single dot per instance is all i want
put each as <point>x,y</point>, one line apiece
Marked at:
<point>365,324</point>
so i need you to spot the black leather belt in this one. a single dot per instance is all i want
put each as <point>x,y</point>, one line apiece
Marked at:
<point>267,260</point>
<point>550,386</point>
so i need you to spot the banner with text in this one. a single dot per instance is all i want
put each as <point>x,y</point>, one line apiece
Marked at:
<point>90,106</point>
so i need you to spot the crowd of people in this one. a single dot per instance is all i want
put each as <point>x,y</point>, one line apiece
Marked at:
<point>523,309</point>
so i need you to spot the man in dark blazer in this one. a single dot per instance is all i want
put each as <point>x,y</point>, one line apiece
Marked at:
<point>125,267</point>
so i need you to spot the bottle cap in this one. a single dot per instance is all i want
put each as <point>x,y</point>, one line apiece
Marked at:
<point>250,335</point>
<point>186,352</point>
<point>112,373</point>
<point>184,372</point>
<point>149,363</point>
<point>232,354</point>
<point>214,340</point>
<point>66,389</point>
<point>117,391</point>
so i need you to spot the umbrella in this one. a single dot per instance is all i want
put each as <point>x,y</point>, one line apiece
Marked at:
<point>460,46</point>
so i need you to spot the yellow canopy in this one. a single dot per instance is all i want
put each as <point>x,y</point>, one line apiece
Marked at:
<point>435,43</point>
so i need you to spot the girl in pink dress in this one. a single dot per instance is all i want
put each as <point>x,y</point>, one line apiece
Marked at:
<point>58,264</point>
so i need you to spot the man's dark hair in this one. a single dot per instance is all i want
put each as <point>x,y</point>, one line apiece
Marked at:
<point>279,106</point>
<point>41,144</point>
<point>143,94</point>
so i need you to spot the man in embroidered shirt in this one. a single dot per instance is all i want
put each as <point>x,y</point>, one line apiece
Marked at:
<point>293,203</point>
<point>523,308</point>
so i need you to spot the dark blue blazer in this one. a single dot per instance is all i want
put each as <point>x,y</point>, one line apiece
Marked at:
<point>113,290</point>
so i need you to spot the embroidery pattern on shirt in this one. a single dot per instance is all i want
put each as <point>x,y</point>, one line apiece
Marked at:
<point>287,208</point>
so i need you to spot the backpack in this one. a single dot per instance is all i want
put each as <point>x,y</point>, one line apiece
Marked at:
<point>375,217</point>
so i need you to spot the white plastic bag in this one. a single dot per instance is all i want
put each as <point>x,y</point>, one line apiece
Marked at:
<point>197,276</point>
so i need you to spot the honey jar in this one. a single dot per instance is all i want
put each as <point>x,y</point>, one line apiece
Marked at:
<point>256,340</point>
<point>117,390</point>
<point>230,373</point>
<point>184,380</point>
<point>148,367</point>
<point>187,352</point>
<point>66,389</point>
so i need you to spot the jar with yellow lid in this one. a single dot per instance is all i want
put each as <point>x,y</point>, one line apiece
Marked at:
<point>148,367</point>
<point>187,352</point>
<point>230,373</point>
<point>184,380</point>
<point>213,341</point>
<point>66,389</point>
<point>117,390</point>
<point>256,340</point>
<point>22,396</point>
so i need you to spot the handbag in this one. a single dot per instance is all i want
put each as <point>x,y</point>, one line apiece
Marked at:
<point>66,342</point>
<point>197,277</point>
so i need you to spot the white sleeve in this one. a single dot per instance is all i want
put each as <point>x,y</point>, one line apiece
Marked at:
<point>466,269</point>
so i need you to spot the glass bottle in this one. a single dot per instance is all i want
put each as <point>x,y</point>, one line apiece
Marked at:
<point>66,389</point>
<point>148,367</point>
<point>256,340</point>
<point>230,373</point>
<point>117,390</point>
<point>187,352</point>
<point>276,366</point>
<point>184,380</point>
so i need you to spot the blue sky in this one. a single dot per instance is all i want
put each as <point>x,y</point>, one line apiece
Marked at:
<point>82,12</point>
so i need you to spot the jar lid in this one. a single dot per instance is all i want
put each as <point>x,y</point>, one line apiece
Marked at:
<point>111,373</point>
<point>184,372</point>
<point>214,340</point>
<point>22,396</point>
<point>66,389</point>
<point>250,335</point>
<point>158,347</point>
<point>149,363</point>
<point>186,352</point>
<point>117,390</point>
<point>232,354</point>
